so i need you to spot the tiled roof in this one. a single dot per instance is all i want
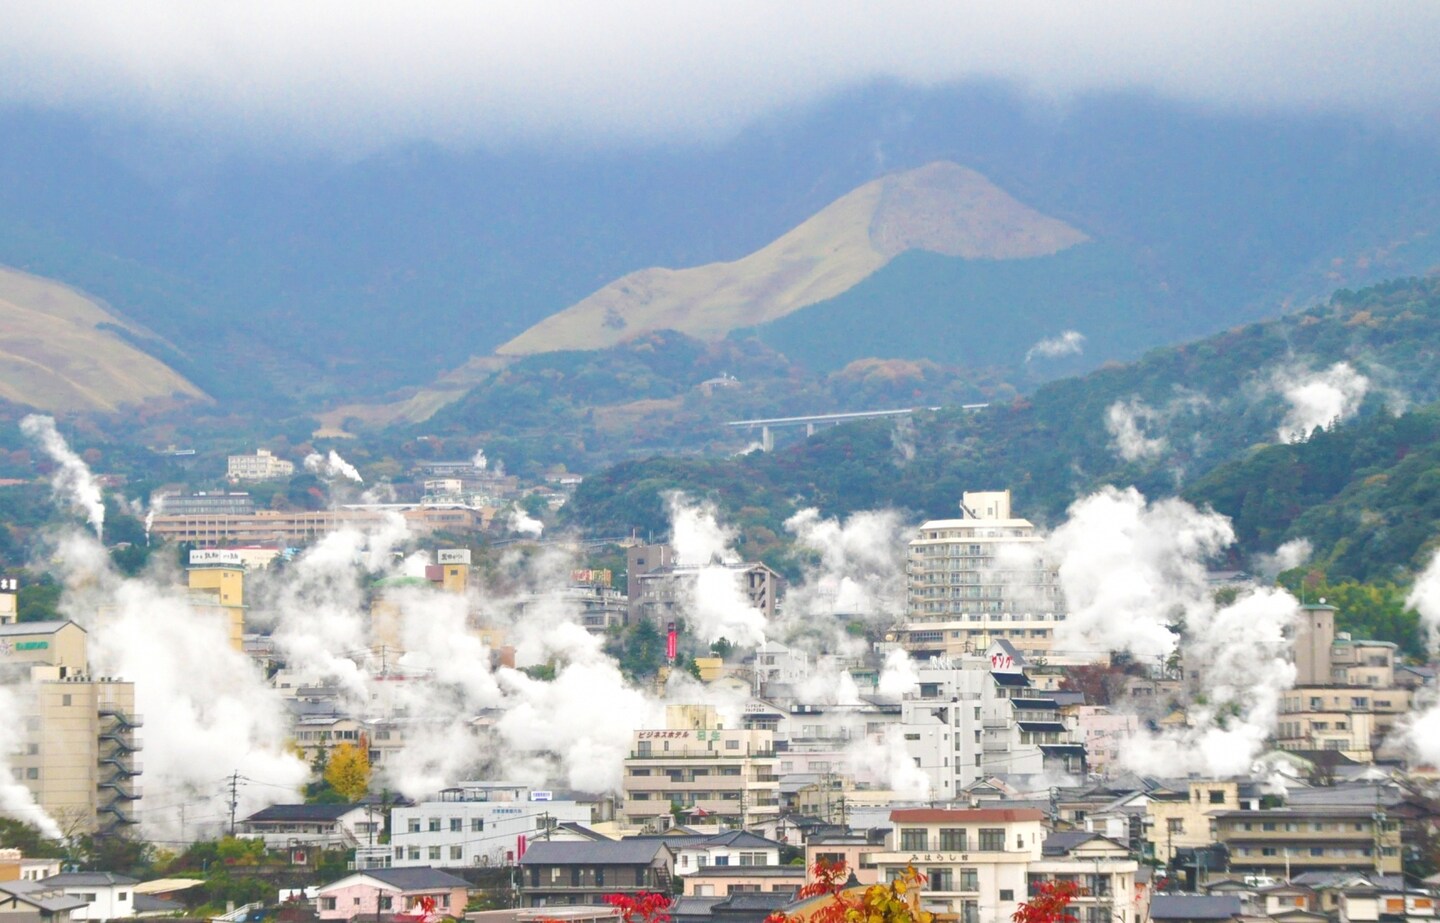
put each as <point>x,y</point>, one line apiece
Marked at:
<point>1194,907</point>
<point>629,851</point>
<point>300,812</point>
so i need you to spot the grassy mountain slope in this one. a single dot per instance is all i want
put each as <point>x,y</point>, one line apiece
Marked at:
<point>60,351</point>
<point>1211,402</point>
<point>978,312</point>
<point>941,208</point>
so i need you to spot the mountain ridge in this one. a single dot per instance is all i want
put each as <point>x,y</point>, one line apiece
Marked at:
<point>941,207</point>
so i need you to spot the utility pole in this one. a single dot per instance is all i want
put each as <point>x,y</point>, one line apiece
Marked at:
<point>234,798</point>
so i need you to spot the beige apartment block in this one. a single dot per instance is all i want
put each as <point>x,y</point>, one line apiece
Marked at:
<point>1181,819</point>
<point>79,757</point>
<point>709,773</point>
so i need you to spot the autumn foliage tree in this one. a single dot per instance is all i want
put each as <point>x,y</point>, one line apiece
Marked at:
<point>645,907</point>
<point>897,901</point>
<point>348,771</point>
<point>1049,904</point>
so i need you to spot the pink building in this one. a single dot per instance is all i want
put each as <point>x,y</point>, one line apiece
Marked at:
<point>377,893</point>
<point>1104,734</point>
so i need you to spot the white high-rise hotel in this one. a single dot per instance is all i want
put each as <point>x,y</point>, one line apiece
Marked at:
<point>978,578</point>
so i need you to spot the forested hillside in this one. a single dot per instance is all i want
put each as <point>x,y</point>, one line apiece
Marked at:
<point>1163,424</point>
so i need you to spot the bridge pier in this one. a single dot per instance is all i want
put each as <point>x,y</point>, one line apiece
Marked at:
<point>767,439</point>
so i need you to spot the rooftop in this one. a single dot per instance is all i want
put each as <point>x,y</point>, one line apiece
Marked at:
<point>629,851</point>
<point>964,815</point>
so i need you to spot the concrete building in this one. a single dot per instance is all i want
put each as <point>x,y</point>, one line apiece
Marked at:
<point>712,774</point>
<point>659,585</point>
<point>14,866</point>
<point>311,826</point>
<point>1282,841</point>
<point>32,902</point>
<point>478,824</point>
<point>262,466</point>
<point>972,717</point>
<point>107,896</point>
<point>1180,818</point>
<point>205,503</point>
<point>980,578</point>
<point>216,578</point>
<point>78,753</point>
<point>300,527</point>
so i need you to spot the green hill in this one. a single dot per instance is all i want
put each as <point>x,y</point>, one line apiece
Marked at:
<point>1201,405</point>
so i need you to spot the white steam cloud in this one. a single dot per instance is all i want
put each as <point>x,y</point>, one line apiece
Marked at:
<point>16,801</point>
<point>331,467</point>
<point>1069,343</point>
<point>1422,733</point>
<point>344,78</point>
<point>523,523</point>
<point>1288,556</point>
<point>1319,398</point>
<point>1134,576</point>
<point>1126,422</point>
<point>73,480</point>
<point>480,461</point>
<point>718,605</point>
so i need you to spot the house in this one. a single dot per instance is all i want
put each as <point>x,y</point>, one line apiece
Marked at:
<point>392,891</point>
<point>732,848</point>
<point>27,901</point>
<point>17,867</point>
<point>107,896</point>
<point>720,881</point>
<point>1194,908</point>
<point>315,826</point>
<point>554,873</point>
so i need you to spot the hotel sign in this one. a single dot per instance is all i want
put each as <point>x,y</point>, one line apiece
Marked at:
<point>453,556</point>
<point>216,556</point>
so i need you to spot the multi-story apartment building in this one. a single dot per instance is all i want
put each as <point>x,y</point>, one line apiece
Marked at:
<point>205,503</point>
<point>1283,841</point>
<point>1180,818</point>
<point>217,579</point>
<point>972,717</point>
<point>299,527</point>
<point>78,752</point>
<point>982,863</point>
<point>710,773</point>
<point>478,824</point>
<point>659,586</point>
<point>262,466</point>
<point>980,578</point>
<point>1345,696</point>
<point>556,874</point>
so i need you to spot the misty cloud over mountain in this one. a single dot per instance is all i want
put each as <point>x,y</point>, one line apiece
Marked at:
<point>348,78</point>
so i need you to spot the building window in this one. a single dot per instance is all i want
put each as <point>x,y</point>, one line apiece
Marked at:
<point>913,838</point>
<point>1217,796</point>
<point>415,853</point>
<point>387,902</point>
<point>1175,825</point>
<point>1007,894</point>
<point>992,839</point>
<point>414,825</point>
<point>434,825</point>
<point>327,903</point>
<point>941,880</point>
<point>434,852</point>
<point>456,824</point>
<point>953,839</point>
<point>477,824</point>
<point>457,853</point>
<point>970,879</point>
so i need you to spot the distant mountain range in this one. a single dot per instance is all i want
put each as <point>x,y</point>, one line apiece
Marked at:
<point>293,285</point>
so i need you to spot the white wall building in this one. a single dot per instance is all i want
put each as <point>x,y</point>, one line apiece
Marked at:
<point>978,578</point>
<point>478,824</point>
<point>107,896</point>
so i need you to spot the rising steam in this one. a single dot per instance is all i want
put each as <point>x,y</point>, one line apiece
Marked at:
<point>1319,399</point>
<point>73,481</point>
<point>332,467</point>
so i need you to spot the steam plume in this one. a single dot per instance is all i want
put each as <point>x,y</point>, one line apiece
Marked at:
<point>332,466</point>
<point>15,799</point>
<point>717,602</point>
<point>523,523</point>
<point>1125,421</point>
<point>1319,398</point>
<point>73,480</point>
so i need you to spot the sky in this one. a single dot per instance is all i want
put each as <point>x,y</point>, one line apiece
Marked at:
<point>354,76</point>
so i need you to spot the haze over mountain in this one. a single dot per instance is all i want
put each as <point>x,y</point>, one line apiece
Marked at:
<point>309,233</point>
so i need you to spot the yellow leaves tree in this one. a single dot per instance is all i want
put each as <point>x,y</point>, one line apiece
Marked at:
<point>348,771</point>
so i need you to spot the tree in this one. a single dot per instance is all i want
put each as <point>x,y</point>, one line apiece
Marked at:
<point>348,771</point>
<point>1049,904</point>
<point>897,901</point>
<point>645,907</point>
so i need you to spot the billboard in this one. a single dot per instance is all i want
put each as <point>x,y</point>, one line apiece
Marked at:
<point>204,556</point>
<point>453,556</point>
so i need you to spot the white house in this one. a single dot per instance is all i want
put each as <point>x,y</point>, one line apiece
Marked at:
<point>107,896</point>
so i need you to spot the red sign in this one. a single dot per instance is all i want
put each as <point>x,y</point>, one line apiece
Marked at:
<point>520,844</point>
<point>671,644</point>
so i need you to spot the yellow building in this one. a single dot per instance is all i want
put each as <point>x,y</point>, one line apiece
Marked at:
<point>218,578</point>
<point>711,773</point>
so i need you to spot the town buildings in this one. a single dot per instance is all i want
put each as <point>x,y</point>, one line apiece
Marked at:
<point>262,466</point>
<point>979,578</point>
<point>696,768</point>
<point>561,873</point>
<point>660,586</point>
<point>479,824</point>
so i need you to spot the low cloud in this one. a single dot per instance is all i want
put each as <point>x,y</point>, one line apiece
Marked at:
<point>347,77</point>
<point>1125,421</point>
<point>1319,398</point>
